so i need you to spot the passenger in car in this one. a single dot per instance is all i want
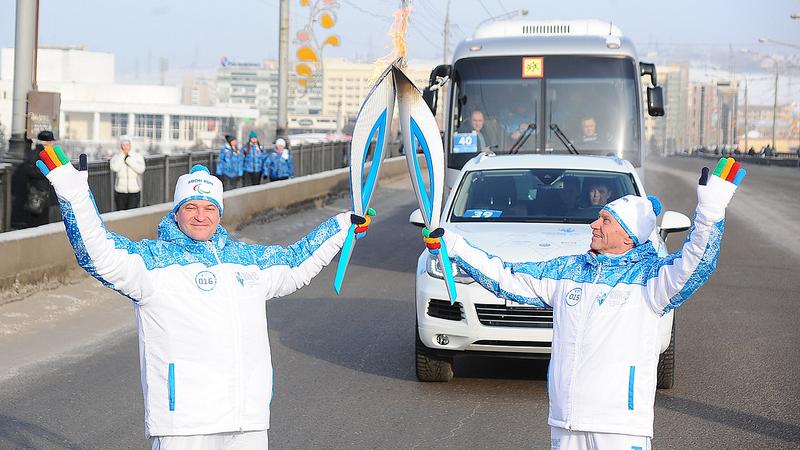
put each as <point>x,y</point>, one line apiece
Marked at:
<point>599,193</point>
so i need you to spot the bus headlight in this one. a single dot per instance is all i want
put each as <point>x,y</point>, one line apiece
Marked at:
<point>434,269</point>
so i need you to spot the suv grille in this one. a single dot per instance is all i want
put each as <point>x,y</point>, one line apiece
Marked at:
<point>442,309</point>
<point>514,316</point>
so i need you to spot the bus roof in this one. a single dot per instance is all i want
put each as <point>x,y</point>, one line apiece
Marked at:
<point>556,37</point>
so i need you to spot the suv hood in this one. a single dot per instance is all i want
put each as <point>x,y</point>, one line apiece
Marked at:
<point>523,242</point>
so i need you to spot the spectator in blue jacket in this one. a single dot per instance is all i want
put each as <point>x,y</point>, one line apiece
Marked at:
<point>230,166</point>
<point>278,165</point>
<point>253,160</point>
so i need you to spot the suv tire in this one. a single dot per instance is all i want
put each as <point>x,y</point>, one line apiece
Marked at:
<point>432,367</point>
<point>666,363</point>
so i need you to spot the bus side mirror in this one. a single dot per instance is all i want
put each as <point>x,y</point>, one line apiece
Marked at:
<point>655,101</point>
<point>439,75</point>
<point>648,69</point>
<point>430,97</point>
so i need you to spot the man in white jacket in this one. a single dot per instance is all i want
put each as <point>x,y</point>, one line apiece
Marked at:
<point>606,306</point>
<point>199,297</point>
<point>128,165</point>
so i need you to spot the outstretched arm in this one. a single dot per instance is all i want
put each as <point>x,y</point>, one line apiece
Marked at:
<point>294,266</point>
<point>680,274</point>
<point>526,283</point>
<point>107,256</point>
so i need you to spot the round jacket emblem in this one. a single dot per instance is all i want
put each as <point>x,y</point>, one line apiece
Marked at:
<point>574,296</point>
<point>205,280</point>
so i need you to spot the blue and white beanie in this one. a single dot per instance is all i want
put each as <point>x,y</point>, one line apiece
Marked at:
<point>198,184</point>
<point>637,215</point>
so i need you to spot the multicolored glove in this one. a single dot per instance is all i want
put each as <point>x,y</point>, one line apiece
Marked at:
<point>50,158</point>
<point>715,192</point>
<point>362,223</point>
<point>433,239</point>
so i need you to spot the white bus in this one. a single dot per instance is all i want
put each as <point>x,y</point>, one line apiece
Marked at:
<point>545,87</point>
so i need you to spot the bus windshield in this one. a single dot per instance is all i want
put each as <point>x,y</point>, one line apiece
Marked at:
<point>565,104</point>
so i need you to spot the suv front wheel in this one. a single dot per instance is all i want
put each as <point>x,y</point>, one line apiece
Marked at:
<point>666,363</point>
<point>431,367</point>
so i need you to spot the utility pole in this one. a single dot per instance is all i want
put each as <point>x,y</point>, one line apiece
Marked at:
<point>283,70</point>
<point>746,132</point>
<point>775,108</point>
<point>24,56</point>
<point>446,31</point>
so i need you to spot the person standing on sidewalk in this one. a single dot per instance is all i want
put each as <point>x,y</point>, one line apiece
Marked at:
<point>253,158</point>
<point>128,165</point>
<point>230,166</point>
<point>278,165</point>
<point>31,194</point>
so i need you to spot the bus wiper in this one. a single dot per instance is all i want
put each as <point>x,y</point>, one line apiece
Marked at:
<point>522,139</point>
<point>563,138</point>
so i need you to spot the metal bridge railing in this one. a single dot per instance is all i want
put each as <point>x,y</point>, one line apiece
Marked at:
<point>158,180</point>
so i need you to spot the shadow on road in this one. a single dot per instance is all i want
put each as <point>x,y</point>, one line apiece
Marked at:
<point>17,434</point>
<point>344,332</point>
<point>729,417</point>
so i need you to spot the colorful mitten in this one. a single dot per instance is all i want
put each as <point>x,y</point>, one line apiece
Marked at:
<point>362,223</point>
<point>715,192</point>
<point>433,239</point>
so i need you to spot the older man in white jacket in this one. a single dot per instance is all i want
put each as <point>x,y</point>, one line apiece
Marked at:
<point>199,297</point>
<point>606,306</point>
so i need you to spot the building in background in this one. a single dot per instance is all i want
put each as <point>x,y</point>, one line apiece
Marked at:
<point>668,134</point>
<point>713,109</point>
<point>95,110</point>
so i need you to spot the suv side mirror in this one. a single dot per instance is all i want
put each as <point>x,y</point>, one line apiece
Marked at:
<point>416,218</point>
<point>672,222</point>
<point>655,101</point>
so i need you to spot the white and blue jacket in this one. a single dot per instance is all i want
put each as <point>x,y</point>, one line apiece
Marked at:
<point>253,157</point>
<point>200,310</point>
<point>602,374</point>
<point>230,164</point>
<point>278,168</point>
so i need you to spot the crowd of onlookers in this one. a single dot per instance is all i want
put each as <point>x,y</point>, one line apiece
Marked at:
<point>251,163</point>
<point>766,151</point>
<point>248,165</point>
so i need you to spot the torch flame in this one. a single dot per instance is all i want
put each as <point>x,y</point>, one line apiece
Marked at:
<point>397,33</point>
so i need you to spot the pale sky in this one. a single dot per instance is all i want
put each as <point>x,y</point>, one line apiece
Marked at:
<point>197,33</point>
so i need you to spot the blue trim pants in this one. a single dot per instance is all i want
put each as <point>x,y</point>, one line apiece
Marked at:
<point>563,439</point>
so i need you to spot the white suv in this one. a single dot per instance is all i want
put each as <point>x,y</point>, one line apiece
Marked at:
<point>520,208</point>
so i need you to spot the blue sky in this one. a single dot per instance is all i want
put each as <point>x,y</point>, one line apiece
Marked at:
<point>198,32</point>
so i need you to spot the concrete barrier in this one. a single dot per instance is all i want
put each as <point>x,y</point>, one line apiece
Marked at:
<point>43,254</point>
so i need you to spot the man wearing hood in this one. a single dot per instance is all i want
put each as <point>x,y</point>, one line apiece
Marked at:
<point>199,297</point>
<point>606,306</point>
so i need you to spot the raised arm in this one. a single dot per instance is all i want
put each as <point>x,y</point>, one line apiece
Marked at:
<point>294,266</point>
<point>528,283</point>
<point>107,256</point>
<point>680,274</point>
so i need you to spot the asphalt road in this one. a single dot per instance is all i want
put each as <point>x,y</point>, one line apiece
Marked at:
<point>345,365</point>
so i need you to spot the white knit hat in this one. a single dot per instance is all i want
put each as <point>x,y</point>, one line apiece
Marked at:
<point>637,215</point>
<point>280,142</point>
<point>198,184</point>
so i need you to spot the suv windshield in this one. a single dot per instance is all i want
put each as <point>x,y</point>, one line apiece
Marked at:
<point>537,195</point>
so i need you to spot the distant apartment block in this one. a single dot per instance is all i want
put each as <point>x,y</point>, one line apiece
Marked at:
<point>95,110</point>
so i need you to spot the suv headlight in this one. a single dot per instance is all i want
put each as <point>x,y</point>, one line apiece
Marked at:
<point>434,269</point>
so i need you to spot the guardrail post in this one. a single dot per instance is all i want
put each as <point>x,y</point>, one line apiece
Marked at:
<point>166,179</point>
<point>111,178</point>
<point>6,174</point>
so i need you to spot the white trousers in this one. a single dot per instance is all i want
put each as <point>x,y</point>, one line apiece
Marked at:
<point>563,439</point>
<point>245,440</point>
